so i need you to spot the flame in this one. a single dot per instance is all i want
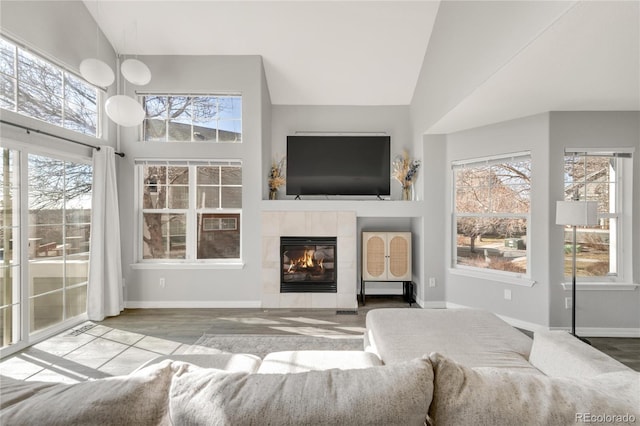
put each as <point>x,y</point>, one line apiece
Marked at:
<point>306,261</point>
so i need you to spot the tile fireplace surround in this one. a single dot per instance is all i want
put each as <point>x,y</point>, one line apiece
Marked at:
<point>340,224</point>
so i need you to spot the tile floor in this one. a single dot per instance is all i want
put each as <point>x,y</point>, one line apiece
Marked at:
<point>88,351</point>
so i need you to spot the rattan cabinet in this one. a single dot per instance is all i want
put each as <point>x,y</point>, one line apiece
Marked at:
<point>386,256</point>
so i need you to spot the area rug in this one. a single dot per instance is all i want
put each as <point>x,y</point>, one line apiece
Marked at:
<point>261,345</point>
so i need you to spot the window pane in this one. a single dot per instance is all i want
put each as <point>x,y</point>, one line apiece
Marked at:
<point>7,58</point>
<point>472,200</point>
<point>164,236</point>
<point>231,175</point>
<point>231,197</point>
<point>492,243</point>
<point>38,73</point>
<point>180,118</point>
<point>36,102</point>
<point>7,92</point>
<point>208,197</point>
<point>76,301</point>
<point>46,310</point>
<point>208,175</point>
<point>217,243</point>
<point>595,254</point>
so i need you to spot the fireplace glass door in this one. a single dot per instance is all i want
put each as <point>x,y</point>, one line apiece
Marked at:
<point>308,264</point>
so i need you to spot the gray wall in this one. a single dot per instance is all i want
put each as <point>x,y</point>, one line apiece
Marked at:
<point>195,286</point>
<point>528,304</point>
<point>595,309</point>
<point>394,120</point>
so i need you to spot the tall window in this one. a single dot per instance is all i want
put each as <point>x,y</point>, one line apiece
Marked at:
<point>190,210</point>
<point>186,118</point>
<point>491,213</point>
<point>44,252</point>
<point>33,86</point>
<point>599,176</point>
<point>58,239</point>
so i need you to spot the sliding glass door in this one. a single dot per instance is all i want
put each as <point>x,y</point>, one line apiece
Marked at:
<point>10,249</point>
<point>46,211</point>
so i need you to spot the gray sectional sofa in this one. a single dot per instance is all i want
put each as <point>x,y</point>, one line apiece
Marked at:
<point>449,367</point>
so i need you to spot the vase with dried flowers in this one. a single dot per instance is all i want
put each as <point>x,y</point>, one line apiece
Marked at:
<point>276,178</point>
<point>405,171</point>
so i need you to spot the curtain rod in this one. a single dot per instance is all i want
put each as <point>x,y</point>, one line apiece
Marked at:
<point>31,129</point>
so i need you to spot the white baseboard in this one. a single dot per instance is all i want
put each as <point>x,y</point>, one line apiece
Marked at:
<point>187,304</point>
<point>603,332</point>
<point>431,304</point>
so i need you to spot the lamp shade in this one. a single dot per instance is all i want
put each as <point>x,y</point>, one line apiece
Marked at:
<point>97,72</point>
<point>136,72</point>
<point>577,213</point>
<point>124,110</point>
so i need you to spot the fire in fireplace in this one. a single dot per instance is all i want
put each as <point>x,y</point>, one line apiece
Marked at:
<point>308,265</point>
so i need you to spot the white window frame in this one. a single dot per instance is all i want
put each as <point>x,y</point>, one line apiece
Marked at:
<point>191,214</point>
<point>523,279</point>
<point>623,278</point>
<point>142,95</point>
<point>65,72</point>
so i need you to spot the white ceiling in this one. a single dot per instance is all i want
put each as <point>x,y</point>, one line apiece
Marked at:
<point>586,57</point>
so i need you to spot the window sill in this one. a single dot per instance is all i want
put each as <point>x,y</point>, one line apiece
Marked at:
<point>168,265</point>
<point>601,286</point>
<point>515,280</point>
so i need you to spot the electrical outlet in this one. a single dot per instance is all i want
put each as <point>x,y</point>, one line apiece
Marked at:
<point>507,294</point>
<point>567,303</point>
<point>162,282</point>
<point>432,282</point>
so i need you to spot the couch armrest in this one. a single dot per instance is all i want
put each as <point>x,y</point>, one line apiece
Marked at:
<point>558,353</point>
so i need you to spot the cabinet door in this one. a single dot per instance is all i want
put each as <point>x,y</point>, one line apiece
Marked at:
<point>374,265</point>
<point>399,256</point>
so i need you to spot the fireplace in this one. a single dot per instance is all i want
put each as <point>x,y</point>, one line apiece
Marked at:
<point>308,265</point>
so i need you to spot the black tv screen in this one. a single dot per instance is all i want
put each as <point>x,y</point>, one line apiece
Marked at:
<point>338,165</point>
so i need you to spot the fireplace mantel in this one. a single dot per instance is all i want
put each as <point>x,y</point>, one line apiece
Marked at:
<point>339,224</point>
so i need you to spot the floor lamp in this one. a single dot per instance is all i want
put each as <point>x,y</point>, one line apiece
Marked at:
<point>574,214</point>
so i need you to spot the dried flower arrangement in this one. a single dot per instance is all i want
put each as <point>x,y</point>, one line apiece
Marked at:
<point>405,171</point>
<point>276,177</point>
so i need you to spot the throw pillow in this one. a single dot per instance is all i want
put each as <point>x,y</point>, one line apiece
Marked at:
<point>492,396</point>
<point>398,394</point>
<point>140,398</point>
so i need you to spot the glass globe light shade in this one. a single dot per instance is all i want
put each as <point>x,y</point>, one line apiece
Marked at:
<point>97,72</point>
<point>136,72</point>
<point>124,111</point>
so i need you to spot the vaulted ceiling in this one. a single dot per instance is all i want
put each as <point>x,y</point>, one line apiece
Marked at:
<point>486,64</point>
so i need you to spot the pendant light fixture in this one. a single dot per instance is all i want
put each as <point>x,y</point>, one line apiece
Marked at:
<point>94,70</point>
<point>124,111</point>
<point>135,71</point>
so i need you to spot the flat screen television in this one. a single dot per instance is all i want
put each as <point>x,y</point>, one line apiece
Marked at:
<point>338,165</point>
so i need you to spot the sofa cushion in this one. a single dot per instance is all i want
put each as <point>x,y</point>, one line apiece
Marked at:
<point>473,337</point>
<point>500,397</point>
<point>301,361</point>
<point>246,363</point>
<point>390,395</point>
<point>139,398</point>
<point>558,353</point>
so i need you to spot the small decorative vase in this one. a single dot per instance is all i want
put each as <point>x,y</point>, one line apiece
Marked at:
<point>273,194</point>
<point>407,193</point>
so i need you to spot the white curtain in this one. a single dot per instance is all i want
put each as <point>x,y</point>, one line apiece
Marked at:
<point>104,293</point>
